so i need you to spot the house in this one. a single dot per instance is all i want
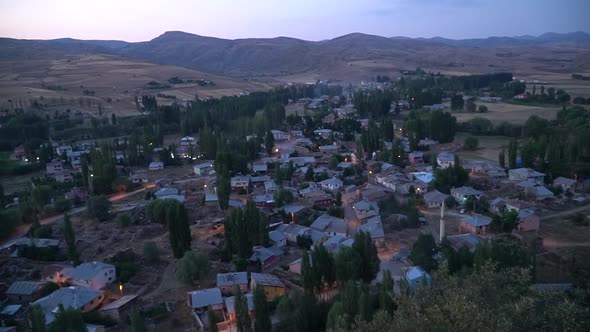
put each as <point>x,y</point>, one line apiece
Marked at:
<point>11,312</point>
<point>277,238</point>
<point>365,209</point>
<point>63,149</point>
<point>418,186</point>
<point>264,201</point>
<point>63,176</point>
<point>260,168</point>
<point>461,194</point>
<point>526,174</point>
<point>54,167</point>
<point>323,133</point>
<point>425,177</point>
<point>416,158</point>
<point>94,275</point>
<point>24,242</point>
<point>119,309</point>
<point>230,306</point>
<point>498,205</point>
<point>565,183</point>
<point>19,153</point>
<point>272,285</point>
<point>521,207</point>
<point>445,159</point>
<point>211,199</point>
<point>203,169</point>
<point>540,193</point>
<point>156,166</point>
<point>292,231</point>
<point>375,228</point>
<point>330,225</point>
<point>295,266</point>
<point>295,134</point>
<point>240,183</point>
<point>328,149</point>
<point>266,256</point>
<point>332,244</point>
<point>140,176</point>
<point>25,291</point>
<point>468,240</point>
<point>169,193</point>
<point>476,224</point>
<point>227,282</point>
<point>434,199</point>
<point>415,276</point>
<point>76,297</point>
<point>332,184</point>
<point>270,187</point>
<point>187,141</point>
<point>319,199</point>
<point>200,300</point>
<point>279,135</point>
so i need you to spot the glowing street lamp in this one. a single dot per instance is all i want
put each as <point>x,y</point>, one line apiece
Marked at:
<point>121,288</point>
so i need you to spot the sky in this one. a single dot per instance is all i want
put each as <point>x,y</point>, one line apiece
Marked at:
<point>142,20</point>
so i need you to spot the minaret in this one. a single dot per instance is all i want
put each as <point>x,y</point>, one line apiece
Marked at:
<point>442,222</point>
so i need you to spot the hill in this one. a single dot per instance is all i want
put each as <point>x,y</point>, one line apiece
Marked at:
<point>352,57</point>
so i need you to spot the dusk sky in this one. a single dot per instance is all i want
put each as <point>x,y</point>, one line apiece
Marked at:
<point>140,20</point>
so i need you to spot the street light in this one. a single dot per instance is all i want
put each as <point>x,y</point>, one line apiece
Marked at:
<point>121,289</point>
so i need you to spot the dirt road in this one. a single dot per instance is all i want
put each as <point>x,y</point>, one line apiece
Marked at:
<point>24,229</point>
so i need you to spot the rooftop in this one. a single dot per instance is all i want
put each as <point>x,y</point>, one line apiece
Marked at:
<point>229,303</point>
<point>470,241</point>
<point>330,224</point>
<point>232,279</point>
<point>86,271</point>
<point>477,220</point>
<point>24,287</point>
<point>266,279</point>
<point>119,302</point>
<point>205,297</point>
<point>70,297</point>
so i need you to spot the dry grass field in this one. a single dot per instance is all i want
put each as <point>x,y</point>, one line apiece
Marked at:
<point>113,82</point>
<point>517,114</point>
<point>489,147</point>
<point>576,88</point>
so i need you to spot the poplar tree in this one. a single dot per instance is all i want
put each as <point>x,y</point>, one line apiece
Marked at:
<point>70,239</point>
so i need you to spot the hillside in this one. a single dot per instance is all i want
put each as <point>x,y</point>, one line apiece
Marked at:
<point>352,57</point>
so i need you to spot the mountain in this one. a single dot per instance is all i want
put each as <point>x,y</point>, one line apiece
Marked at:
<point>550,37</point>
<point>355,56</point>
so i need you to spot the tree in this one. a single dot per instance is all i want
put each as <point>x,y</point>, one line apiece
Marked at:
<point>470,106</point>
<point>68,320</point>
<point>243,322</point>
<point>512,152</point>
<point>502,158</point>
<point>262,322</point>
<point>35,319</point>
<point>194,265</point>
<point>505,222</point>
<point>99,207</point>
<point>470,143</point>
<point>346,264</point>
<point>457,103</point>
<point>482,109</point>
<point>309,174</point>
<point>269,142</point>
<point>369,263</point>
<point>178,229</point>
<point>338,199</point>
<point>223,191</point>
<point>307,273</point>
<point>151,252</point>
<point>70,239</point>
<point>137,322</point>
<point>423,250</point>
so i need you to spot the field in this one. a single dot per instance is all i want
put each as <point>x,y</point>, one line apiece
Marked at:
<point>576,88</point>
<point>516,114</point>
<point>83,82</point>
<point>489,146</point>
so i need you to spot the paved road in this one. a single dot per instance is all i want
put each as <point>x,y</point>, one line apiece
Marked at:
<point>22,230</point>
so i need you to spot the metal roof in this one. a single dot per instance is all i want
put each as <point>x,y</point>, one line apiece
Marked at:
<point>205,297</point>
<point>70,297</point>
<point>86,271</point>
<point>232,279</point>
<point>24,287</point>
<point>10,310</point>
<point>265,279</point>
<point>119,303</point>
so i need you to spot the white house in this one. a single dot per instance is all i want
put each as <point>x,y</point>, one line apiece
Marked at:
<point>95,275</point>
<point>330,225</point>
<point>156,165</point>
<point>526,174</point>
<point>332,184</point>
<point>203,168</point>
<point>240,182</point>
<point>445,159</point>
<point>461,194</point>
<point>279,135</point>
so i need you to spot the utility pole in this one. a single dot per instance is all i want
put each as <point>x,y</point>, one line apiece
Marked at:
<point>442,223</point>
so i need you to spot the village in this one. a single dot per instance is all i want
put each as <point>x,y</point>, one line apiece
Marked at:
<point>313,188</point>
